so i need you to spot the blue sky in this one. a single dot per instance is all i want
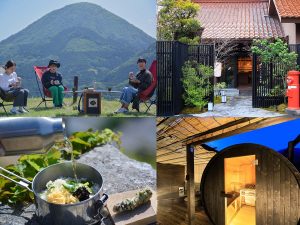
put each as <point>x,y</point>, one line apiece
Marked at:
<point>15,15</point>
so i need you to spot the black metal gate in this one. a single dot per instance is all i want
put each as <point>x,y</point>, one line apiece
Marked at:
<point>266,83</point>
<point>171,56</point>
<point>296,48</point>
<point>203,54</point>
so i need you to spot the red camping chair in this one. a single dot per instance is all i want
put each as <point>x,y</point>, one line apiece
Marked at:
<point>44,92</point>
<point>147,96</point>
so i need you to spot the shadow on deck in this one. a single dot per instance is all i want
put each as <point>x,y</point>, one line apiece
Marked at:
<point>175,213</point>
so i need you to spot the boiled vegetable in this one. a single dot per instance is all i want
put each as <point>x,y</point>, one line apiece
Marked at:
<point>66,191</point>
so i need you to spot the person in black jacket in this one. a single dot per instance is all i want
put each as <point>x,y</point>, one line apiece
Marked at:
<point>137,84</point>
<point>52,80</point>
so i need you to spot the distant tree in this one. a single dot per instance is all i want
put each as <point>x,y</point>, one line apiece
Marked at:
<point>177,21</point>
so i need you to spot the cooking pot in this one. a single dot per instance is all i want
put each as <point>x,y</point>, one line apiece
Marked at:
<point>86,212</point>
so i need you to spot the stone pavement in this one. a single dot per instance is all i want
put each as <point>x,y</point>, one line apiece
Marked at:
<point>238,106</point>
<point>119,173</point>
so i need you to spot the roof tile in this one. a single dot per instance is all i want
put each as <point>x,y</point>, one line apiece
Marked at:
<point>237,19</point>
<point>288,8</point>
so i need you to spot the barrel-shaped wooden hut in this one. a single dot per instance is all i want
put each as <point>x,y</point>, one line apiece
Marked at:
<point>254,177</point>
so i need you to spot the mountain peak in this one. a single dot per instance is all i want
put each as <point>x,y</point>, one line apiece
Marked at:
<point>86,38</point>
<point>84,6</point>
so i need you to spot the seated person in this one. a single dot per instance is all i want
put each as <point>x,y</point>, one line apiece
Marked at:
<point>137,83</point>
<point>10,84</point>
<point>52,80</point>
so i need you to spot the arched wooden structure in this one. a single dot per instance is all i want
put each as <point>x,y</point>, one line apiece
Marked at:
<point>277,186</point>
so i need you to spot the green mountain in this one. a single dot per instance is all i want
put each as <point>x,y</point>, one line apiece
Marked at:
<point>89,41</point>
<point>118,77</point>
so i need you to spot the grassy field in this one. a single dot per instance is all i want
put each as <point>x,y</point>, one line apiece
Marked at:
<point>108,108</point>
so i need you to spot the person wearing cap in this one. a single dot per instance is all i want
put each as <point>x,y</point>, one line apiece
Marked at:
<point>11,90</point>
<point>52,80</point>
<point>137,83</point>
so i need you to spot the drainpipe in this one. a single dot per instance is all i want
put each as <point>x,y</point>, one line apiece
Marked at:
<point>291,148</point>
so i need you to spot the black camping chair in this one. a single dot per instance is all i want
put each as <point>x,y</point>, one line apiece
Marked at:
<point>4,99</point>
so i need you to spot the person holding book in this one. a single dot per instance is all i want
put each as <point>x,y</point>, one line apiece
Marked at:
<point>11,89</point>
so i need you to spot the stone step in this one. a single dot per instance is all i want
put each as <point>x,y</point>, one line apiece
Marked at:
<point>245,92</point>
<point>230,92</point>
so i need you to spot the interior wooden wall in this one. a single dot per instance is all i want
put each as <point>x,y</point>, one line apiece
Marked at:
<point>169,179</point>
<point>239,171</point>
<point>198,175</point>
<point>171,208</point>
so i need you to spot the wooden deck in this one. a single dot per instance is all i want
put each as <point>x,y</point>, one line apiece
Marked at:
<point>176,214</point>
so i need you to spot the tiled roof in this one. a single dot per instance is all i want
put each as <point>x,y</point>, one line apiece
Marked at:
<point>228,1</point>
<point>288,8</point>
<point>237,19</point>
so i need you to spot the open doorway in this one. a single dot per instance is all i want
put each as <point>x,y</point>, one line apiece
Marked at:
<point>240,181</point>
<point>245,74</point>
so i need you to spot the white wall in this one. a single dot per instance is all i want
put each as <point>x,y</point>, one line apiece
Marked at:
<point>290,30</point>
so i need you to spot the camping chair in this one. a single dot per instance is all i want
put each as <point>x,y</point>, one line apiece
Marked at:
<point>148,96</point>
<point>44,92</point>
<point>4,99</point>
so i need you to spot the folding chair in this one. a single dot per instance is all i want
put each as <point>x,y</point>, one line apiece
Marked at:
<point>44,92</point>
<point>5,99</point>
<point>148,96</point>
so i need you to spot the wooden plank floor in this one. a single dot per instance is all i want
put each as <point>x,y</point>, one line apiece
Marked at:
<point>175,214</point>
<point>246,213</point>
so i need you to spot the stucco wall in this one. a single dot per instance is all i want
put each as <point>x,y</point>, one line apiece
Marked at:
<point>290,30</point>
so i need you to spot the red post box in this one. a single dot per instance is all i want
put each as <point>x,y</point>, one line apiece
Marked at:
<point>293,92</point>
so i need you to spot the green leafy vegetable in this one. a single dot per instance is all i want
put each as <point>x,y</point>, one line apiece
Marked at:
<point>72,186</point>
<point>29,165</point>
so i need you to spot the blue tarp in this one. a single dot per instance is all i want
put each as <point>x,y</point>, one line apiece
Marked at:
<point>275,137</point>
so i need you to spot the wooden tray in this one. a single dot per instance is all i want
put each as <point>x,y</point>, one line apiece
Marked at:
<point>142,215</point>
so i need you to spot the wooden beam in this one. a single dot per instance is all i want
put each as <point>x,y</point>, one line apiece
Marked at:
<point>190,140</point>
<point>190,184</point>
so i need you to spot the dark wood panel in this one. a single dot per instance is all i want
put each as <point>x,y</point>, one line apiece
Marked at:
<point>213,186</point>
<point>268,161</point>
<point>264,80</point>
<point>277,187</point>
<point>261,204</point>
<point>171,56</point>
<point>282,191</point>
<point>294,201</point>
<point>286,200</point>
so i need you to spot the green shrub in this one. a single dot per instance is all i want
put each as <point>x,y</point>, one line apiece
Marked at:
<point>220,86</point>
<point>197,84</point>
